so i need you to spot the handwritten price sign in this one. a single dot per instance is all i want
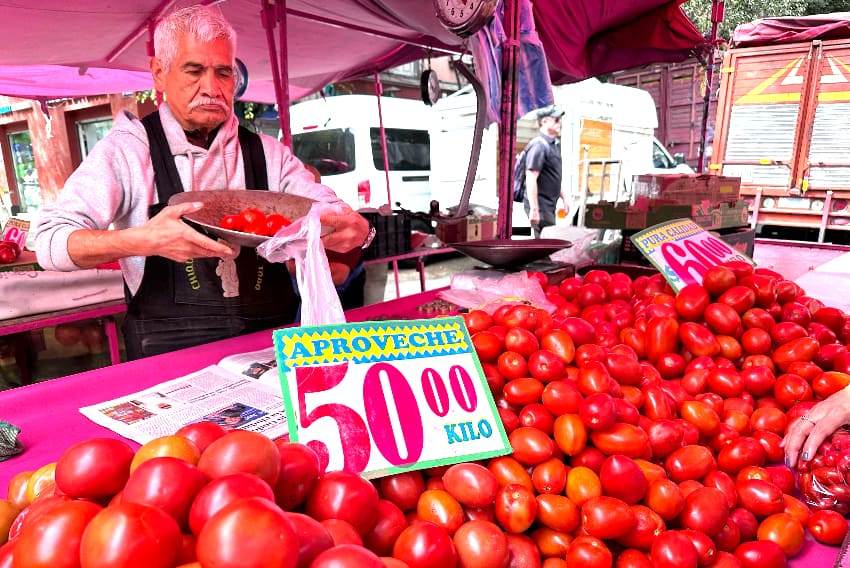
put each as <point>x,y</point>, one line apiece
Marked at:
<point>682,251</point>
<point>378,398</point>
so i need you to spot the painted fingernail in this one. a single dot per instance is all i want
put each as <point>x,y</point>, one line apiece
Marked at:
<point>805,456</point>
<point>787,462</point>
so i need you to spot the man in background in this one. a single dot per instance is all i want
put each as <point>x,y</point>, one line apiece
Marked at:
<point>543,170</point>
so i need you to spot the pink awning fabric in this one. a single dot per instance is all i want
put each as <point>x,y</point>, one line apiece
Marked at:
<point>582,38</point>
<point>792,29</point>
<point>54,81</point>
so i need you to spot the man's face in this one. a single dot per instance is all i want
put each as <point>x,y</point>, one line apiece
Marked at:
<point>200,83</point>
<point>552,125</point>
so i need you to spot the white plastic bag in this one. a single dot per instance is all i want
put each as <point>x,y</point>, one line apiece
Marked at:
<point>302,242</point>
<point>489,290</point>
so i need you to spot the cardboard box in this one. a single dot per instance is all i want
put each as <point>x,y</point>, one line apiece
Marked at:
<point>686,189</point>
<point>470,228</point>
<point>25,263</point>
<point>646,213</point>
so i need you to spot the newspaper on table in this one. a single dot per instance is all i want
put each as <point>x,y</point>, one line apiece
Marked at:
<point>241,391</point>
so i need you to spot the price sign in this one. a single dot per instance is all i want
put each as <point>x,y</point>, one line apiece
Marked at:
<point>16,231</point>
<point>682,251</point>
<point>377,398</point>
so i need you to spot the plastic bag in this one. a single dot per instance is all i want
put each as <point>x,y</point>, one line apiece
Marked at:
<point>824,481</point>
<point>489,290</point>
<point>302,242</point>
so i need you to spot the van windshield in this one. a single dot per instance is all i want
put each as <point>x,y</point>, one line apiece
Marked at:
<point>329,151</point>
<point>407,150</point>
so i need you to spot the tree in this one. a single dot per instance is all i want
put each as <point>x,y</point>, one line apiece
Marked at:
<point>699,11</point>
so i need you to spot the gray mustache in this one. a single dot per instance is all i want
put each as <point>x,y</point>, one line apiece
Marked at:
<point>207,101</point>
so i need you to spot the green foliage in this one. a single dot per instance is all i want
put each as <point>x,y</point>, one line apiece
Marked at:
<point>699,11</point>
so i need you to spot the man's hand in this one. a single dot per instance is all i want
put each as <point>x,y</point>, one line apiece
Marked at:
<point>805,435</point>
<point>163,235</point>
<point>350,230</point>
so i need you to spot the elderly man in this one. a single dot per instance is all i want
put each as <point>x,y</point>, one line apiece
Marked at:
<point>113,207</point>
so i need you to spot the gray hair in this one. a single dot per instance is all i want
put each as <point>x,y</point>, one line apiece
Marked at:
<point>202,22</point>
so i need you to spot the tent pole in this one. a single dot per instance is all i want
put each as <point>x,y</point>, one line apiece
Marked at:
<point>379,91</point>
<point>267,16</point>
<point>283,99</point>
<point>508,117</point>
<point>717,9</point>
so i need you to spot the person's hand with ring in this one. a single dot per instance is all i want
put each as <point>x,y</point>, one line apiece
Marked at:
<point>805,435</point>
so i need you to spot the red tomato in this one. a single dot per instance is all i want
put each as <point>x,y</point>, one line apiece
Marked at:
<point>521,340</point>
<point>345,555</point>
<point>598,411</point>
<point>252,215</point>
<point>718,279</point>
<point>626,439</point>
<point>761,497</point>
<point>344,495</point>
<point>590,552</point>
<point>222,491</point>
<point>512,365</point>
<point>509,471</point>
<point>689,462</point>
<point>53,537</point>
<point>784,530</point>
<point>488,346</point>
<point>516,507</point>
<point>760,554</point>
<point>242,450</point>
<point>425,545</point>
<point>249,532</point>
<point>439,507</point>
<point>256,228</point>
<point>570,434</point>
<point>546,366</point>
<point>607,517</point>
<point>665,498</point>
<point>481,544</point>
<point>130,535</point>
<point>691,302</point>
<point>706,510</point>
<point>477,320</point>
<point>313,537</point>
<point>299,470</point>
<point>98,467</point>
<point>662,336</point>
<point>342,532</point>
<point>276,222</point>
<point>673,549</point>
<point>740,298</point>
<point>201,433</point>
<point>404,488</point>
<point>522,391</point>
<point>168,483</point>
<point>740,453</point>
<point>698,339</point>
<point>232,222</point>
<point>828,527</point>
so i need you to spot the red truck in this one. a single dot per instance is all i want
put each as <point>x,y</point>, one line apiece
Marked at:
<point>782,122</point>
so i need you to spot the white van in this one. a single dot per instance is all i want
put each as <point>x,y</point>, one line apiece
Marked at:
<point>603,122</point>
<point>340,136</point>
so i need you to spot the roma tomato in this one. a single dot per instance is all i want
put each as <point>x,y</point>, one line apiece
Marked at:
<point>828,527</point>
<point>706,510</point>
<point>130,535</point>
<point>516,508</point>
<point>689,462</point>
<point>439,507</point>
<point>607,517</point>
<point>249,532</point>
<point>626,439</point>
<point>718,279</point>
<point>785,530</point>
<point>472,484</point>
<point>347,496</point>
<point>98,467</point>
<point>425,545</point>
<point>242,450</point>
<point>761,554</point>
<point>673,549</point>
<point>481,544</point>
<point>691,302</point>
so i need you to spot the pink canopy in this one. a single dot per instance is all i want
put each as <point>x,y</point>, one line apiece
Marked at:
<point>328,41</point>
<point>792,29</point>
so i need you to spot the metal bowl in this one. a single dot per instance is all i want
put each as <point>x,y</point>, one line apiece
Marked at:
<point>507,253</point>
<point>218,203</point>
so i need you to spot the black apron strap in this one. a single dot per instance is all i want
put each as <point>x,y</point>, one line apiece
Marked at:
<point>256,175</point>
<point>164,170</point>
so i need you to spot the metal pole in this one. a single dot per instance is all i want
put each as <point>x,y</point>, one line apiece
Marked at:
<point>717,9</point>
<point>508,118</point>
<point>379,90</point>
<point>267,16</point>
<point>283,98</point>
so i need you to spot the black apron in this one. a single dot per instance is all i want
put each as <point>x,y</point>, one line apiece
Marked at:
<point>180,305</point>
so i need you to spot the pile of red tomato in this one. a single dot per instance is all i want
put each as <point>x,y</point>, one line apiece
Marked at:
<point>254,221</point>
<point>645,429</point>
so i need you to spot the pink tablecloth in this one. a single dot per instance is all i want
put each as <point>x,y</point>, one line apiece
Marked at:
<point>49,420</point>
